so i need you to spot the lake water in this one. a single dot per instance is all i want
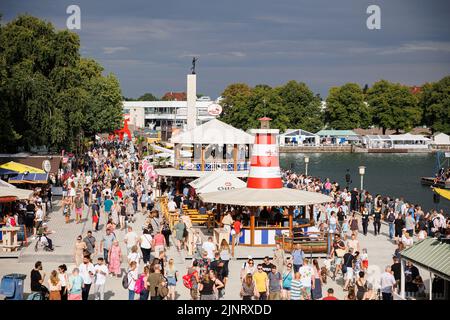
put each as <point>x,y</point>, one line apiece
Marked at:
<point>396,175</point>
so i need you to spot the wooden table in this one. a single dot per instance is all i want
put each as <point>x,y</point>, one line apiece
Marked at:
<point>9,236</point>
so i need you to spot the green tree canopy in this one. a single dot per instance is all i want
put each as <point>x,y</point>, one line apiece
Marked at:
<point>393,106</point>
<point>147,97</point>
<point>346,108</point>
<point>435,103</point>
<point>303,107</point>
<point>49,95</point>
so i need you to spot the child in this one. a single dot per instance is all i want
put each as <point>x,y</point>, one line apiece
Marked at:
<point>365,259</point>
<point>345,229</point>
<point>66,212</point>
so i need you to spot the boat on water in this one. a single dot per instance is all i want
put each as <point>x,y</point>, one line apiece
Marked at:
<point>441,177</point>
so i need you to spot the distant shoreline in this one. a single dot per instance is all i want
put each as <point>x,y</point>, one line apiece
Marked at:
<point>351,149</point>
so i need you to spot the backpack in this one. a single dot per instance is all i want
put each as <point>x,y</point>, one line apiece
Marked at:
<point>140,285</point>
<point>125,283</point>
<point>391,218</point>
<point>164,290</point>
<point>187,280</point>
<point>36,296</point>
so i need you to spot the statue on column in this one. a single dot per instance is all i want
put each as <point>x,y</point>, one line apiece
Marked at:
<point>194,60</point>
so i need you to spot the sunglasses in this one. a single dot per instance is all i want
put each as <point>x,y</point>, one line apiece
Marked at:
<point>259,268</point>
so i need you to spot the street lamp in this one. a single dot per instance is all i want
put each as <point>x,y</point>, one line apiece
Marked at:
<point>362,171</point>
<point>306,165</point>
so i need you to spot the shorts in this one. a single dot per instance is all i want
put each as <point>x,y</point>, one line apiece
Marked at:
<point>306,292</point>
<point>349,274</point>
<point>287,289</point>
<point>337,260</point>
<point>72,296</point>
<point>78,210</point>
<point>171,281</point>
<point>365,264</point>
<point>37,224</point>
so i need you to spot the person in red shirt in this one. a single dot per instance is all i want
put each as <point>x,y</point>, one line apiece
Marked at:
<point>159,243</point>
<point>237,229</point>
<point>330,295</point>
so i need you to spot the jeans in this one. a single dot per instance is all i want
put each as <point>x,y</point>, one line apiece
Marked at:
<point>297,267</point>
<point>130,294</point>
<point>146,255</point>
<point>105,255</point>
<point>377,226</point>
<point>85,291</point>
<point>263,296</point>
<point>144,295</point>
<point>99,290</point>
<point>386,296</point>
<point>365,225</point>
<point>391,230</point>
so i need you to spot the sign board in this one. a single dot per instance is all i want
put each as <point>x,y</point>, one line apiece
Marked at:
<point>214,109</point>
<point>46,166</point>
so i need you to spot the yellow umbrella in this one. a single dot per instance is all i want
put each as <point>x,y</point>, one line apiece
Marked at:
<point>442,192</point>
<point>20,168</point>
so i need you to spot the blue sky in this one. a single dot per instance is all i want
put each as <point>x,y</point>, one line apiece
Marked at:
<point>149,44</point>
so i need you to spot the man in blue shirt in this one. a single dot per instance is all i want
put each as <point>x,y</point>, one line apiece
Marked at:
<point>297,257</point>
<point>108,205</point>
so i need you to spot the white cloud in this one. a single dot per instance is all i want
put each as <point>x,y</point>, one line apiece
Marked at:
<point>430,46</point>
<point>112,50</point>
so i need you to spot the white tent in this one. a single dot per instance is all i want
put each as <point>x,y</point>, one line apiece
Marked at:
<point>218,181</point>
<point>203,180</point>
<point>441,139</point>
<point>214,132</point>
<point>265,197</point>
<point>8,190</point>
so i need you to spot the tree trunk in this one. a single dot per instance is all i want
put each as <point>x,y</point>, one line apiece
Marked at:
<point>384,131</point>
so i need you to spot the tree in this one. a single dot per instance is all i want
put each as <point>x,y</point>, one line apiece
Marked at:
<point>49,95</point>
<point>235,95</point>
<point>147,97</point>
<point>435,103</point>
<point>346,108</point>
<point>303,107</point>
<point>393,106</point>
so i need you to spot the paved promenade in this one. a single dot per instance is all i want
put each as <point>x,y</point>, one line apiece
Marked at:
<point>380,250</point>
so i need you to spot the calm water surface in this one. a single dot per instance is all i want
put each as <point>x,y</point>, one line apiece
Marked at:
<point>396,175</point>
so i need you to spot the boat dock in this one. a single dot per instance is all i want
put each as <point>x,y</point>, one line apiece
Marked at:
<point>429,181</point>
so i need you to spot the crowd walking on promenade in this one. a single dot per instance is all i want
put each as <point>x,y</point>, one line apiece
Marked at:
<point>109,186</point>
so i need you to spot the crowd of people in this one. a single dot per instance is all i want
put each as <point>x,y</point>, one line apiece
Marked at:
<point>109,183</point>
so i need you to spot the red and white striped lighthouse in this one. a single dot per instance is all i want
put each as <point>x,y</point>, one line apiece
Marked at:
<point>265,164</point>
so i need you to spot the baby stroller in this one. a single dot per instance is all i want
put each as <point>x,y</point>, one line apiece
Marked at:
<point>42,243</point>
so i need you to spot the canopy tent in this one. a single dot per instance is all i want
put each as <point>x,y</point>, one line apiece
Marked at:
<point>265,197</point>
<point>13,193</point>
<point>214,132</point>
<point>172,172</point>
<point>217,181</point>
<point>204,179</point>
<point>30,178</point>
<point>20,168</point>
<point>7,172</point>
<point>442,192</point>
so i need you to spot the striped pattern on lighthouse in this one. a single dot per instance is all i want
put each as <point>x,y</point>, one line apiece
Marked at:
<point>265,164</point>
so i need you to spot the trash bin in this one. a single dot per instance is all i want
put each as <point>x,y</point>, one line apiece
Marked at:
<point>12,286</point>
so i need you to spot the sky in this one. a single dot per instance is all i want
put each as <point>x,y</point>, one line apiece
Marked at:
<point>149,44</point>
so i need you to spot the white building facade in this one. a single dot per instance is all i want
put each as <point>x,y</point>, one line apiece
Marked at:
<point>156,114</point>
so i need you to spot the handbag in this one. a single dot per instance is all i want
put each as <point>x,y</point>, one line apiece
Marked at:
<point>340,253</point>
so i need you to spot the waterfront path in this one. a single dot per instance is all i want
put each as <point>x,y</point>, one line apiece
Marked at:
<point>380,250</point>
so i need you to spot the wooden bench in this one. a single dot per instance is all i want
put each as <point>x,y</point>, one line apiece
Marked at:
<point>205,219</point>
